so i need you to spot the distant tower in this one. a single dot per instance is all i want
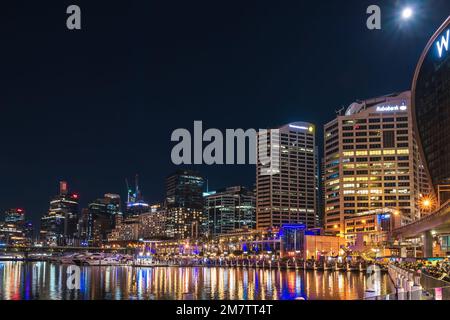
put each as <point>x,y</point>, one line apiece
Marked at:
<point>63,188</point>
<point>60,225</point>
<point>135,202</point>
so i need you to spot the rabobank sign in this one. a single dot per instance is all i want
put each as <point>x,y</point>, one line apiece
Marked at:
<point>392,108</point>
<point>442,43</point>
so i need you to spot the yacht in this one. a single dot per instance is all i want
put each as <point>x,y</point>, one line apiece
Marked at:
<point>69,259</point>
<point>80,259</point>
<point>101,260</point>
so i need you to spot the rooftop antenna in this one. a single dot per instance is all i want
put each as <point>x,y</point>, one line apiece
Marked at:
<point>138,192</point>
<point>339,111</point>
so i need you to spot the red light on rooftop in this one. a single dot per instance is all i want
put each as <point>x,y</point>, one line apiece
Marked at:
<point>20,210</point>
<point>75,196</point>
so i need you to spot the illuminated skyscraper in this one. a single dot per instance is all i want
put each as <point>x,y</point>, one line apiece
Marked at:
<point>15,215</point>
<point>287,193</point>
<point>102,216</point>
<point>15,230</point>
<point>184,201</point>
<point>371,161</point>
<point>230,209</point>
<point>60,225</point>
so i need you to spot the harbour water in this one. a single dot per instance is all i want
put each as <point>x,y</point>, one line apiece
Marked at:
<point>47,281</point>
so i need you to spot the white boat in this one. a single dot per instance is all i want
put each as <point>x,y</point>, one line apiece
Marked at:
<point>80,259</point>
<point>100,260</point>
<point>94,259</point>
<point>70,259</point>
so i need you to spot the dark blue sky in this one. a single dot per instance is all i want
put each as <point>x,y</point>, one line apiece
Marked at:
<point>98,105</point>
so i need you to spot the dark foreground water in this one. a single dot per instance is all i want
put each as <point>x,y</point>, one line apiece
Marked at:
<point>43,280</point>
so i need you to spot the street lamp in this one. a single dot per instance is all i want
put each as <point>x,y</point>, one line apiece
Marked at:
<point>426,204</point>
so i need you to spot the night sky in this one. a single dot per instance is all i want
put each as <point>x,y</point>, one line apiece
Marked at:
<point>98,105</point>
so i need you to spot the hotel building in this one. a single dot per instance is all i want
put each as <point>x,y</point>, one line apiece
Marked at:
<point>153,224</point>
<point>431,110</point>
<point>287,179</point>
<point>431,117</point>
<point>371,161</point>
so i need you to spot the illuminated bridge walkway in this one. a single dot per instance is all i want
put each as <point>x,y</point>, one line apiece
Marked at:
<point>437,222</point>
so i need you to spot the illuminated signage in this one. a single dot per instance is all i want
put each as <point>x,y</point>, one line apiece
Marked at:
<point>442,44</point>
<point>392,108</point>
<point>310,129</point>
<point>297,127</point>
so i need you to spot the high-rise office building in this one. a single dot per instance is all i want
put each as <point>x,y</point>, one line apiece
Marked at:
<point>102,217</point>
<point>287,190</point>
<point>84,227</point>
<point>431,110</point>
<point>60,225</point>
<point>230,209</point>
<point>184,202</point>
<point>371,161</point>
<point>15,215</point>
<point>14,230</point>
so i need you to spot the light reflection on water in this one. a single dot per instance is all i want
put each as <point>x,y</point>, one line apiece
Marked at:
<point>42,280</point>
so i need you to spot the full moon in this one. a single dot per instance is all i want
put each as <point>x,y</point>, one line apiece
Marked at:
<point>407,13</point>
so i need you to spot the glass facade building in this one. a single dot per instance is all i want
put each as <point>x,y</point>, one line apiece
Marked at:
<point>184,201</point>
<point>102,217</point>
<point>229,210</point>
<point>60,225</point>
<point>431,107</point>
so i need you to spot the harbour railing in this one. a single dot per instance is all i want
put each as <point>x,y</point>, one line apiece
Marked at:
<point>412,285</point>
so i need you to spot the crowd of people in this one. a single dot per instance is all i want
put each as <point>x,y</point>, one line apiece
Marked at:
<point>439,269</point>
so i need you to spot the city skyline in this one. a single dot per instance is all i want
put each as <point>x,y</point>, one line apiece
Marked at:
<point>41,149</point>
<point>226,152</point>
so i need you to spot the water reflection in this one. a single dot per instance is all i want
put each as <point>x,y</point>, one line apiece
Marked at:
<point>42,280</point>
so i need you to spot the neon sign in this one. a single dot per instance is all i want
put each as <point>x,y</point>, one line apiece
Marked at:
<point>443,43</point>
